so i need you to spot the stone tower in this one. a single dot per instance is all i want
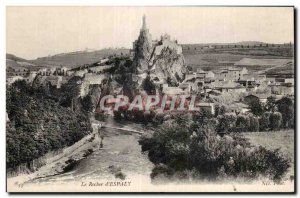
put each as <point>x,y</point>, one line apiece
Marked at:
<point>142,52</point>
<point>157,62</point>
<point>144,27</point>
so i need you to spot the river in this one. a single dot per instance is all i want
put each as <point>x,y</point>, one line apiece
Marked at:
<point>121,152</point>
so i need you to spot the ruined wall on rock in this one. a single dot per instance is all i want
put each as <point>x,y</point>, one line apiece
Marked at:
<point>160,61</point>
<point>165,63</point>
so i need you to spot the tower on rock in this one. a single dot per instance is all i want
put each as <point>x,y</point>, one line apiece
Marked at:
<point>142,48</point>
<point>144,27</point>
<point>159,62</point>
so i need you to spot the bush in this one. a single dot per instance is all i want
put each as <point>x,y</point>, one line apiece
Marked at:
<point>242,122</point>
<point>264,121</point>
<point>226,123</point>
<point>220,110</point>
<point>161,169</point>
<point>158,119</point>
<point>179,146</point>
<point>286,108</point>
<point>254,124</point>
<point>275,120</point>
<point>87,103</point>
<point>256,108</point>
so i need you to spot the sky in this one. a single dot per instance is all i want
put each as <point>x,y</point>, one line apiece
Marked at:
<point>33,32</point>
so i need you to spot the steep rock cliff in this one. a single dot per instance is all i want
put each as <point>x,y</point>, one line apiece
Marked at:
<point>163,61</point>
<point>167,65</point>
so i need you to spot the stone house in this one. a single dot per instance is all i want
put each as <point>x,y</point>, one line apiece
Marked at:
<point>230,87</point>
<point>204,74</point>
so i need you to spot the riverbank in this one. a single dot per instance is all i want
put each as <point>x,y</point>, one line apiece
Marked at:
<point>65,161</point>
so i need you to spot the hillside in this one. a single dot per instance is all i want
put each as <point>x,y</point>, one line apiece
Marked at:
<point>14,62</point>
<point>71,59</point>
<point>39,124</point>
<point>74,59</point>
<point>204,55</point>
<point>15,58</point>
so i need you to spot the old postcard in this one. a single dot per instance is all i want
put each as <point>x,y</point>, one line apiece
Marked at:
<point>150,99</point>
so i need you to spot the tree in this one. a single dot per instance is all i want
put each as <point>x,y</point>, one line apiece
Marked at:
<point>242,122</point>
<point>254,124</point>
<point>189,68</point>
<point>39,124</point>
<point>220,110</point>
<point>264,121</point>
<point>275,120</point>
<point>286,108</point>
<point>226,123</point>
<point>270,104</point>
<point>87,103</point>
<point>256,108</point>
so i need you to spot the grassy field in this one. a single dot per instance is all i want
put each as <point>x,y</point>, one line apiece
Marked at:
<point>283,139</point>
<point>253,58</point>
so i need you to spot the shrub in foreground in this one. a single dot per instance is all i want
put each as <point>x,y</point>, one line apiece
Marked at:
<point>182,146</point>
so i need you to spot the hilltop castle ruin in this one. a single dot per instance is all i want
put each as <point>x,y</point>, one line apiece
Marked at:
<point>158,61</point>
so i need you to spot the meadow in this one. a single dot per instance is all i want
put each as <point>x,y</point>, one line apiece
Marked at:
<point>283,139</point>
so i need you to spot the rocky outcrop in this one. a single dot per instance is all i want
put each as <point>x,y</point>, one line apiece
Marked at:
<point>160,61</point>
<point>167,64</point>
<point>142,54</point>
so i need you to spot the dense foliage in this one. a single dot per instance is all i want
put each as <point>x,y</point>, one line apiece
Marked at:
<point>38,124</point>
<point>191,147</point>
<point>282,109</point>
<point>272,115</point>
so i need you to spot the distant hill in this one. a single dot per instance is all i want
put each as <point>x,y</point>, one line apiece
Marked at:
<point>14,62</point>
<point>15,58</point>
<point>74,59</point>
<point>250,43</point>
<point>219,44</point>
<point>201,54</point>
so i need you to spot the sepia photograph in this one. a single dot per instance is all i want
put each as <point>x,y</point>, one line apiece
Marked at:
<point>150,99</point>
